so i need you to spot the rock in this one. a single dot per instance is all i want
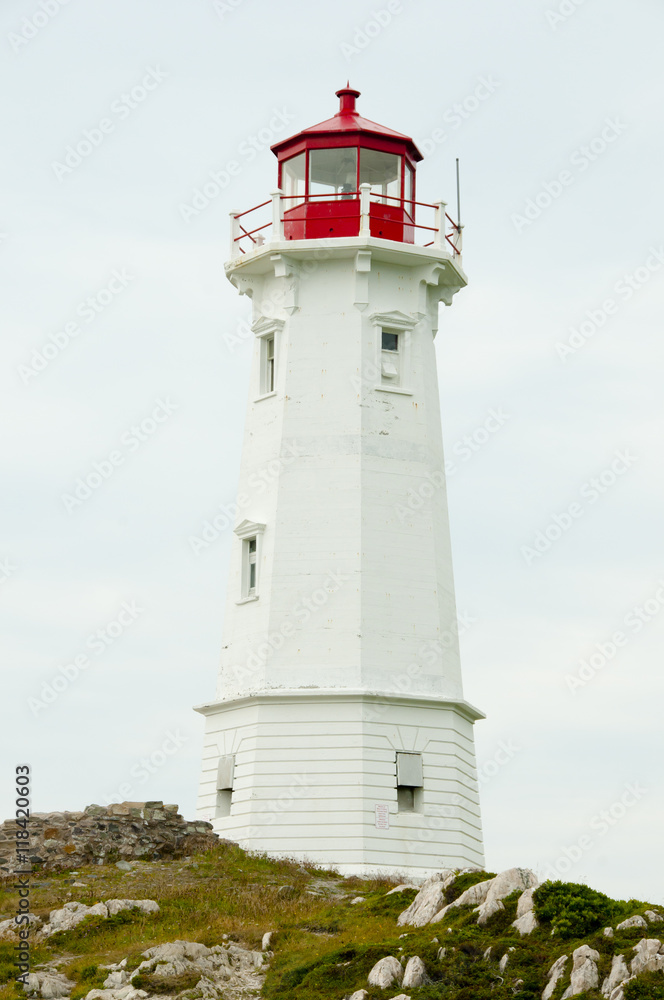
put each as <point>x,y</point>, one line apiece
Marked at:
<point>8,928</point>
<point>224,970</point>
<point>487,954</point>
<point>49,984</point>
<point>526,924</point>
<point>130,830</point>
<point>79,885</point>
<point>608,932</point>
<point>65,918</point>
<point>400,888</point>
<point>556,972</point>
<point>584,971</point>
<point>386,972</point>
<point>146,905</point>
<point>654,917</point>
<point>442,952</point>
<point>401,996</point>
<point>618,974</point>
<point>428,901</point>
<point>266,941</point>
<point>359,995</point>
<point>635,921</point>
<point>502,964</point>
<point>471,897</point>
<point>114,980</point>
<point>287,891</point>
<point>357,899</point>
<point>415,973</point>
<point>500,887</point>
<point>125,993</point>
<point>649,956</point>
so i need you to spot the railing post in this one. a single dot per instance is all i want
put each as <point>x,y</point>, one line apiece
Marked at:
<point>459,240</point>
<point>365,209</point>
<point>277,216</point>
<point>439,223</point>
<point>235,232</point>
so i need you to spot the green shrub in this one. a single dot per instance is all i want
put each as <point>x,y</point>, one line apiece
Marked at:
<point>463,882</point>
<point>647,986</point>
<point>572,910</point>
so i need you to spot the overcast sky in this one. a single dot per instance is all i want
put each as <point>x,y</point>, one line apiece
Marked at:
<point>115,309</point>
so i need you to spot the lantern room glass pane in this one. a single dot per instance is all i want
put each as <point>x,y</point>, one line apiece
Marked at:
<point>293,176</point>
<point>383,172</point>
<point>408,189</point>
<point>333,171</point>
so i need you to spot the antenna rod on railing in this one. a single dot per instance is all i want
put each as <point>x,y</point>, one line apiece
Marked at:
<point>458,194</point>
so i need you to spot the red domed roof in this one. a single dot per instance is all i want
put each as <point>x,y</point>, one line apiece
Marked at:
<point>348,122</point>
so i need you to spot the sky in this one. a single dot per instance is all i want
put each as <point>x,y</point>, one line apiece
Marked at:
<point>550,365</point>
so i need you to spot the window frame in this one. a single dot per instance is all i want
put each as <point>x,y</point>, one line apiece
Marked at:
<point>402,325</point>
<point>248,532</point>
<point>266,331</point>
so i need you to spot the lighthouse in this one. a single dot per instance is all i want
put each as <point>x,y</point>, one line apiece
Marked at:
<point>339,733</point>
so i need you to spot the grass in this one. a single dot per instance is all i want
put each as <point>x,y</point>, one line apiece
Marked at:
<point>323,945</point>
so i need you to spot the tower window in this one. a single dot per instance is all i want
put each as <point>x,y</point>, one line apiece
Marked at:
<point>267,365</point>
<point>410,782</point>
<point>250,566</point>
<point>390,357</point>
<point>225,776</point>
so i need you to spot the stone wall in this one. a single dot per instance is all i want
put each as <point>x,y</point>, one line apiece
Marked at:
<point>104,834</point>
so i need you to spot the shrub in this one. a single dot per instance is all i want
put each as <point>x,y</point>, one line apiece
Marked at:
<point>647,986</point>
<point>572,910</point>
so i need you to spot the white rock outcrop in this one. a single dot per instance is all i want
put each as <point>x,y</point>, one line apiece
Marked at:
<point>654,917</point>
<point>359,995</point>
<point>649,956</point>
<point>429,900</point>
<point>49,984</point>
<point>584,971</point>
<point>386,972</point>
<point>71,914</point>
<point>635,921</point>
<point>556,972</point>
<point>618,974</point>
<point>502,886</point>
<point>526,921</point>
<point>415,973</point>
<point>9,928</point>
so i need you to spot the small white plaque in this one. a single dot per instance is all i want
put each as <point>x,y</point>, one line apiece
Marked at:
<point>382,814</point>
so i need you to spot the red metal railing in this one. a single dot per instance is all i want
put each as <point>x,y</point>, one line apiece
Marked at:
<point>447,232</point>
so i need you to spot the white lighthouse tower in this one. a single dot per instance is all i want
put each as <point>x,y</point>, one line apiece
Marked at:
<point>339,732</point>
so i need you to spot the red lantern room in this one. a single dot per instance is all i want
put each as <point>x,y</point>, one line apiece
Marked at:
<point>322,171</point>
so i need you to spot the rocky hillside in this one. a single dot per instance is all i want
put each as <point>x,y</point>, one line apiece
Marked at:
<point>224,924</point>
